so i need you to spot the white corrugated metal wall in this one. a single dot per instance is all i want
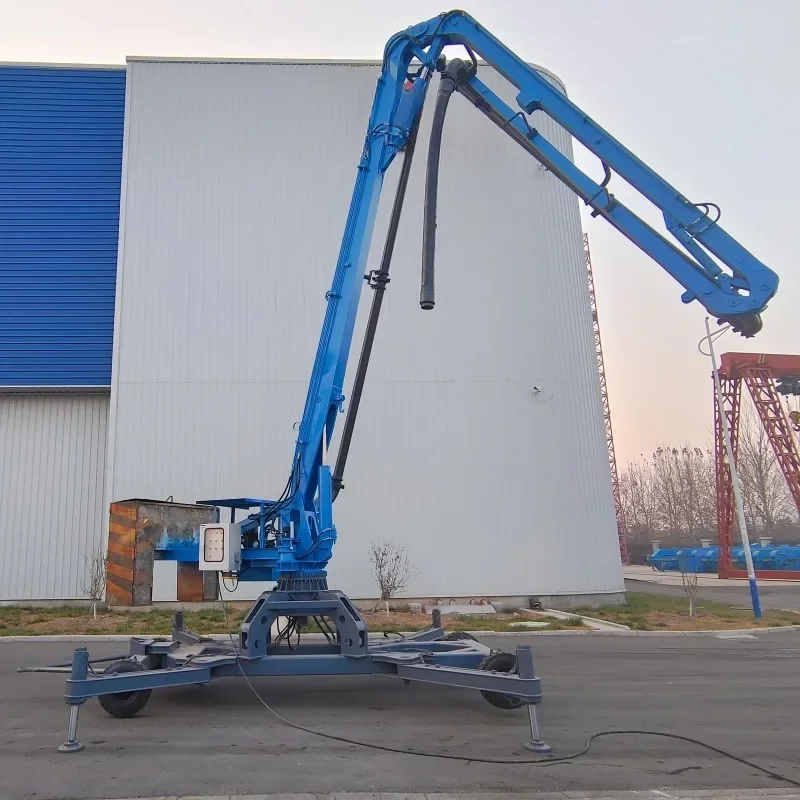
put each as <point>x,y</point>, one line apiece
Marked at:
<point>480,443</point>
<point>52,468</point>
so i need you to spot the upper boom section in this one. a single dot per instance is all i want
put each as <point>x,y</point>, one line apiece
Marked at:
<point>736,293</point>
<point>711,266</point>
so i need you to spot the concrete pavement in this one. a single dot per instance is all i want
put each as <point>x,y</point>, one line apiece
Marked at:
<point>740,695</point>
<point>642,572</point>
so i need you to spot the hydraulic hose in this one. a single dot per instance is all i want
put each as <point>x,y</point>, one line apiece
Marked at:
<point>378,281</point>
<point>447,85</point>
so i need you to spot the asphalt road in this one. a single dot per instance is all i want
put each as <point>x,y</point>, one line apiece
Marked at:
<point>738,694</point>
<point>771,596</point>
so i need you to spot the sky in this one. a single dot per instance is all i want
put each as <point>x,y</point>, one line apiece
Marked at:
<point>704,91</point>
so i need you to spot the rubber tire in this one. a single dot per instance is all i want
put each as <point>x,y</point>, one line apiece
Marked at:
<point>124,704</point>
<point>500,662</point>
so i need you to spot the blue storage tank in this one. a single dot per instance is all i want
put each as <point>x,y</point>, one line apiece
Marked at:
<point>765,557</point>
<point>778,557</point>
<point>667,559</point>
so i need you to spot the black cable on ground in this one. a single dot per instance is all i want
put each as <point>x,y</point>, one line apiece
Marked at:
<point>538,762</point>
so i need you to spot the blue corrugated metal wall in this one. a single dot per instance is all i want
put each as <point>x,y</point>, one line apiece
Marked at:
<point>60,175</point>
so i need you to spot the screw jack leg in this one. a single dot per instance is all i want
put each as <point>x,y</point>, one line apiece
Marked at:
<point>525,669</point>
<point>80,671</point>
<point>535,744</point>
<point>72,745</point>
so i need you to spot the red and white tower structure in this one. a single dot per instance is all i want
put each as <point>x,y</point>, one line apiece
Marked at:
<point>612,458</point>
<point>761,374</point>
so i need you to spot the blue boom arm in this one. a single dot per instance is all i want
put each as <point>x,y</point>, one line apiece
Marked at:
<point>294,535</point>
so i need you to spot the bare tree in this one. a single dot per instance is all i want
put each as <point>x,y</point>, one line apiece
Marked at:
<point>683,485</point>
<point>707,480</point>
<point>767,500</point>
<point>673,492</point>
<point>390,568</point>
<point>666,487</point>
<point>689,581</point>
<point>638,498</point>
<point>697,499</point>
<point>93,583</point>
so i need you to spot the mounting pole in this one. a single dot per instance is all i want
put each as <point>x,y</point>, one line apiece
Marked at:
<point>737,487</point>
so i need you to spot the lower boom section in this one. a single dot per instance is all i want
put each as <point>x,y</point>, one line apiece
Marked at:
<point>270,644</point>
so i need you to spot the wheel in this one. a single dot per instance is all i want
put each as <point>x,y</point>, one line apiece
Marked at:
<point>124,704</point>
<point>500,662</point>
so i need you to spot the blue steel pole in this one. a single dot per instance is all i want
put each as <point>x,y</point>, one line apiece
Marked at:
<point>737,488</point>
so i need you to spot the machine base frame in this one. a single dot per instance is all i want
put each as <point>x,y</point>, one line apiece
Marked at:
<point>430,656</point>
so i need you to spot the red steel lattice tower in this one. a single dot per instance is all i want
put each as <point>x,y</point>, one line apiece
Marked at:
<point>622,530</point>
<point>773,417</point>
<point>731,402</point>
<point>758,372</point>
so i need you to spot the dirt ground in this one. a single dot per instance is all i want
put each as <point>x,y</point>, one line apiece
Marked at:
<point>673,621</point>
<point>663,613</point>
<point>406,621</point>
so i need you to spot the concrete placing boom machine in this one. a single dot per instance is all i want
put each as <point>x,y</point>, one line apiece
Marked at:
<point>289,540</point>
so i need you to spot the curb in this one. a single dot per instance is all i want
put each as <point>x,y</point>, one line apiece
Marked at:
<point>722,632</point>
<point>118,637</point>
<point>642,794</point>
<point>590,622</point>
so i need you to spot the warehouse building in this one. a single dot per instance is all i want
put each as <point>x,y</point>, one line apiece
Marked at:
<point>169,231</point>
<point>61,132</point>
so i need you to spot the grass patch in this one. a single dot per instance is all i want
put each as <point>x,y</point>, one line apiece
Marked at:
<point>642,612</point>
<point>646,612</point>
<point>26,621</point>
<point>559,624</point>
<point>406,622</point>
